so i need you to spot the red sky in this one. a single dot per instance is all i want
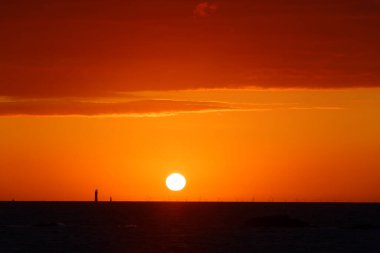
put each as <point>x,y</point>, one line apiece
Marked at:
<point>271,99</point>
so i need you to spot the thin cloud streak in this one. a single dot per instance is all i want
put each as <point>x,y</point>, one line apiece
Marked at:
<point>137,108</point>
<point>94,108</point>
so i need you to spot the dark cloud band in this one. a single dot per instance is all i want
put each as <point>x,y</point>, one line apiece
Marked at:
<point>87,48</point>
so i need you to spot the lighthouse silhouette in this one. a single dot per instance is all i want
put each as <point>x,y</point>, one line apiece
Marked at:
<point>96,196</point>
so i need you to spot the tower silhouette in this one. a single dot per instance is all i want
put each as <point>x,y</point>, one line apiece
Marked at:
<point>96,195</point>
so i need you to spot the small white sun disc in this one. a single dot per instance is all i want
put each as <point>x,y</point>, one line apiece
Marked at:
<point>175,182</point>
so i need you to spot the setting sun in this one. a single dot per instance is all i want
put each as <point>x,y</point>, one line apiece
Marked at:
<point>186,126</point>
<point>175,182</point>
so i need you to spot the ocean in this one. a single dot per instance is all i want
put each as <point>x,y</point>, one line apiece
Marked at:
<point>188,227</point>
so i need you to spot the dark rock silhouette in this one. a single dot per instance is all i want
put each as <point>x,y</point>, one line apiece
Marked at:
<point>363,227</point>
<point>276,221</point>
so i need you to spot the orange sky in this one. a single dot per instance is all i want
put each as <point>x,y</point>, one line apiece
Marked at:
<point>248,99</point>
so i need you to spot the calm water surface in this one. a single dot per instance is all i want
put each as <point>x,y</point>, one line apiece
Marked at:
<point>185,227</point>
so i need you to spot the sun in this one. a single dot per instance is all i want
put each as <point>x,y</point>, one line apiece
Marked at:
<point>175,182</point>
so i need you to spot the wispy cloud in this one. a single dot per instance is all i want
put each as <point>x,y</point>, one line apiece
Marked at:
<point>107,107</point>
<point>48,107</point>
<point>205,9</point>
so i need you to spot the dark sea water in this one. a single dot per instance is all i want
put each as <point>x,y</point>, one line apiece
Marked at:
<point>186,227</point>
